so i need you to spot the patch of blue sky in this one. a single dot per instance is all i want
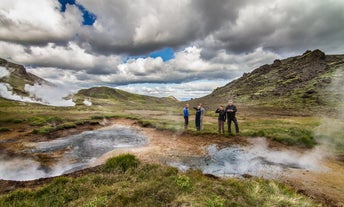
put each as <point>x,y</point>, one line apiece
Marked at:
<point>166,54</point>
<point>88,17</point>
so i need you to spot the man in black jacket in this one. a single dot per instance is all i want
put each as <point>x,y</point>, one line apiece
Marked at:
<point>231,110</point>
<point>198,117</point>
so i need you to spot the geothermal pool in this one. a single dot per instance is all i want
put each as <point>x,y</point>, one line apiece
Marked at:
<point>256,159</point>
<point>78,152</point>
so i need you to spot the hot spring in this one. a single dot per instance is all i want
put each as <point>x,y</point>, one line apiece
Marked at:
<point>79,151</point>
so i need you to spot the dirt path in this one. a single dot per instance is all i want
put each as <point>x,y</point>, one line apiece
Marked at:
<point>327,186</point>
<point>165,145</point>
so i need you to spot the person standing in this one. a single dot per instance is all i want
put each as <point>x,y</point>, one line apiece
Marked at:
<point>186,116</point>
<point>198,117</point>
<point>231,109</point>
<point>202,115</point>
<point>221,119</point>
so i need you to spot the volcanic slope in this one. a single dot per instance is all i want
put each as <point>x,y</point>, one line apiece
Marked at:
<point>17,77</point>
<point>297,82</point>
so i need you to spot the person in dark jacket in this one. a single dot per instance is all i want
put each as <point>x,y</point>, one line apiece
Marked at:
<point>198,117</point>
<point>186,116</point>
<point>231,110</point>
<point>221,119</point>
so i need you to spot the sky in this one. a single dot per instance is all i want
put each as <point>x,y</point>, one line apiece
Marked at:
<point>184,48</point>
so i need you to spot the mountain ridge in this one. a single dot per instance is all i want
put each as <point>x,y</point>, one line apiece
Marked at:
<point>18,77</point>
<point>302,81</point>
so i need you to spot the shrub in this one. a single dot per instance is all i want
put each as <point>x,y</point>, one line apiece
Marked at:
<point>122,162</point>
<point>3,129</point>
<point>37,121</point>
<point>44,130</point>
<point>183,182</point>
<point>17,121</point>
<point>215,201</point>
<point>97,202</point>
<point>66,125</point>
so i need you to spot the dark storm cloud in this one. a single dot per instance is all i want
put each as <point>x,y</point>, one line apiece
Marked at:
<point>139,28</point>
<point>281,26</point>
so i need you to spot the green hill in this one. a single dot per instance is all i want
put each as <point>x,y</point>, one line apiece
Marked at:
<point>304,81</point>
<point>119,96</point>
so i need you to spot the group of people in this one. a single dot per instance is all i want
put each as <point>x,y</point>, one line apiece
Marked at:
<point>224,114</point>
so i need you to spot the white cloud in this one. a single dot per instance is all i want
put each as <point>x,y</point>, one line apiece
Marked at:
<point>183,91</point>
<point>37,21</point>
<point>217,40</point>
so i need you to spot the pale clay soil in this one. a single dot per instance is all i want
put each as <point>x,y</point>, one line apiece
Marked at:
<point>326,186</point>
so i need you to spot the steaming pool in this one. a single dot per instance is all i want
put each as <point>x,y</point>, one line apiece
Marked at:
<point>80,151</point>
<point>257,159</point>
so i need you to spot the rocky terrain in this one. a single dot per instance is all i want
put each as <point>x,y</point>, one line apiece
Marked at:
<point>304,81</point>
<point>18,77</point>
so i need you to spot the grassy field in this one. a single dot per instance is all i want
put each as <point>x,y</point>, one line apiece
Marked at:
<point>124,181</point>
<point>136,183</point>
<point>304,131</point>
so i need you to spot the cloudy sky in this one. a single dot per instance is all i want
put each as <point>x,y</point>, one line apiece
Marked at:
<point>184,48</point>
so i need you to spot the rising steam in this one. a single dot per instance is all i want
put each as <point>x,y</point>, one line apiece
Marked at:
<point>330,133</point>
<point>43,94</point>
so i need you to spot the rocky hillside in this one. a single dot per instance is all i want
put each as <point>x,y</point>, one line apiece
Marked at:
<point>304,81</point>
<point>15,77</point>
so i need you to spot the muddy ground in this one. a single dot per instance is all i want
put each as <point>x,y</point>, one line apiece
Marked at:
<point>326,187</point>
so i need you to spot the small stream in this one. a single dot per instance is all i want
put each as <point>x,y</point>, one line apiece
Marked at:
<point>78,152</point>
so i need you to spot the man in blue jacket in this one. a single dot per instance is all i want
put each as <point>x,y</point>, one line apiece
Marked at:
<point>231,110</point>
<point>186,116</point>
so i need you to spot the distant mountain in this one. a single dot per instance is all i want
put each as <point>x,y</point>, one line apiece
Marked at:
<point>16,77</point>
<point>303,81</point>
<point>121,96</point>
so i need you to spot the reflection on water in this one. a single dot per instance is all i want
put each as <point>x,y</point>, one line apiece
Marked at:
<point>78,152</point>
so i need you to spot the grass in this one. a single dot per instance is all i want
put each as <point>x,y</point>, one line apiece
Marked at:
<point>297,131</point>
<point>290,130</point>
<point>138,186</point>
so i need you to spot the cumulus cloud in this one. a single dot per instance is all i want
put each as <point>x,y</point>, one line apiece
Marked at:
<point>212,40</point>
<point>280,26</point>
<point>37,21</point>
